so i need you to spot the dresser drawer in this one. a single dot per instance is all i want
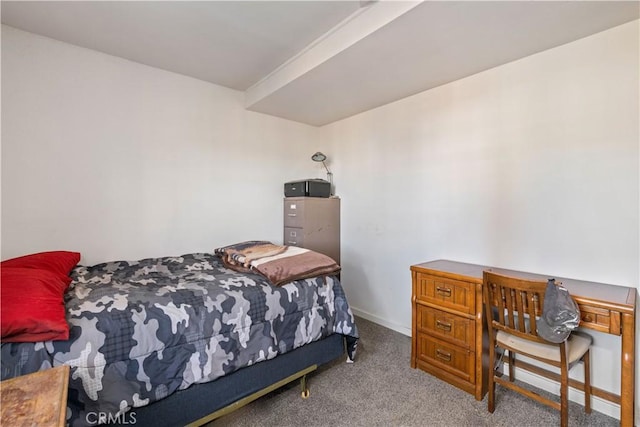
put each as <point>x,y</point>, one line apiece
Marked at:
<point>457,330</point>
<point>293,236</point>
<point>453,294</point>
<point>294,213</point>
<point>455,360</point>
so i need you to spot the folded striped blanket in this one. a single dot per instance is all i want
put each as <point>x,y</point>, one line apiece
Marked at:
<point>279,264</point>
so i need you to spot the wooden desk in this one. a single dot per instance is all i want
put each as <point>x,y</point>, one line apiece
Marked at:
<point>605,308</point>
<point>38,399</point>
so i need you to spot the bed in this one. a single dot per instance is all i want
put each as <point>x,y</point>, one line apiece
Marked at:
<point>169,340</point>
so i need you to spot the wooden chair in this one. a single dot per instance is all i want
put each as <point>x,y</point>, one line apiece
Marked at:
<point>512,307</point>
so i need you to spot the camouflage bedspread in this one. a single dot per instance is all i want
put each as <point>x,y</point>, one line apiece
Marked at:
<point>142,330</point>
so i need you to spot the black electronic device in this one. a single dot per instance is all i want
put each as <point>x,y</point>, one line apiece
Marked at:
<point>307,188</point>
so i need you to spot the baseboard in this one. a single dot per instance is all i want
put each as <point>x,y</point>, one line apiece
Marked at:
<point>382,322</point>
<point>597,404</point>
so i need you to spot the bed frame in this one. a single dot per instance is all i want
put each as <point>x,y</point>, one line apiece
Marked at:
<point>202,403</point>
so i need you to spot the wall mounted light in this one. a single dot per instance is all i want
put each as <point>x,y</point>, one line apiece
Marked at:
<point>320,157</point>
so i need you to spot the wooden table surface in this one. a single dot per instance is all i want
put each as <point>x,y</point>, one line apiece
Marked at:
<point>38,399</point>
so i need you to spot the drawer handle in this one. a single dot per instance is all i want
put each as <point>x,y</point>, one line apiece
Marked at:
<point>443,325</point>
<point>443,291</point>
<point>443,355</point>
<point>290,214</point>
<point>292,242</point>
<point>587,318</point>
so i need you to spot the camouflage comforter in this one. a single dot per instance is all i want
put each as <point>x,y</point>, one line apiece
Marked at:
<point>142,330</point>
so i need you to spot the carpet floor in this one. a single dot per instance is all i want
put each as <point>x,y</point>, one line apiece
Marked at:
<point>381,389</point>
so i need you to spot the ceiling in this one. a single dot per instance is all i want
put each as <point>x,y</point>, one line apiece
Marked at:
<point>319,61</point>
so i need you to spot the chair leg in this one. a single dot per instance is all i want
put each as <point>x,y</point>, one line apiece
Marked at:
<point>512,366</point>
<point>491,406</point>
<point>564,396</point>
<point>587,382</point>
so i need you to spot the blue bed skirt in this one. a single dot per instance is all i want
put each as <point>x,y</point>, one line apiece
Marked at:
<point>199,400</point>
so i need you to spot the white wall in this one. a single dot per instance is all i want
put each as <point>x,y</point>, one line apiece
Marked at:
<point>533,166</point>
<point>118,160</point>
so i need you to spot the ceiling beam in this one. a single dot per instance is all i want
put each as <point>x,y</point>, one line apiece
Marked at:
<point>366,20</point>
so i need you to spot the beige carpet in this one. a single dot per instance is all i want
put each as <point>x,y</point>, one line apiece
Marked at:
<point>381,389</point>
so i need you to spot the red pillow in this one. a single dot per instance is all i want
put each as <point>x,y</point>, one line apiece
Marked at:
<point>58,262</point>
<point>32,306</point>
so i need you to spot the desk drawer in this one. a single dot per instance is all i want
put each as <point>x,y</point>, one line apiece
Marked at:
<point>457,330</point>
<point>453,294</point>
<point>455,360</point>
<point>599,319</point>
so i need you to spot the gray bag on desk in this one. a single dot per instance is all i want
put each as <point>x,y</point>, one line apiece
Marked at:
<point>560,314</point>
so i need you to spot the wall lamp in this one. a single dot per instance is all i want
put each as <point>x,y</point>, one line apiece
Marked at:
<point>321,157</point>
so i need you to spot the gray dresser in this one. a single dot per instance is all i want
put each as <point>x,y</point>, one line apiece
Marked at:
<point>313,223</point>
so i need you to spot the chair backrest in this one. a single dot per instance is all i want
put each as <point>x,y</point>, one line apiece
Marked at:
<point>516,303</point>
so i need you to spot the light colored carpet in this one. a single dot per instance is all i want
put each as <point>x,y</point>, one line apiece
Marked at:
<point>381,389</point>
